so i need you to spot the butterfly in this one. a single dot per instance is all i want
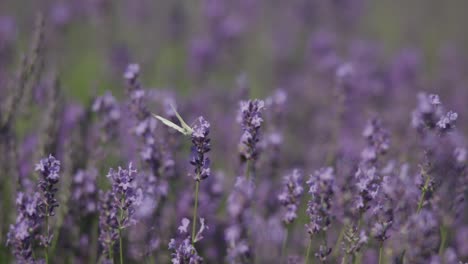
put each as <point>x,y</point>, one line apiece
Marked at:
<point>184,129</point>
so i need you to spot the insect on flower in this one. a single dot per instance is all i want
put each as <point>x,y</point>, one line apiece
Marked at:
<point>184,129</point>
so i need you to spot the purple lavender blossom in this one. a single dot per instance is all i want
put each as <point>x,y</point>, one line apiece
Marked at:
<point>200,146</point>
<point>321,189</point>
<point>236,234</point>
<point>146,125</point>
<point>291,194</point>
<point>108,223</point>
<point>125,195</point>
<point>107,107</point>
<point>49,169</point>
<point>429,114</point>
<point>423,236</point>
<point>84,191</point>
<point>250,117</point>
<point>378,140</point>
<point>23,232</point>
<point>184,249</point>
<point>354,240</point>
<point>117,207</point>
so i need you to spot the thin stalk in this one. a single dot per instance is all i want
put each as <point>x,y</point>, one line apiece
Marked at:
<point>195,208</point>
<point>47,235</point>
<point>381,253</point>
<point>247,170</point>
<point>94,239</point>
<point>285,241</point>
<point>423,194</point>
<point>338,241</point>
<point>343,261</point>
<point>356,256</point>
<point>443,237</point>
<point>111,253</point>
<point>120,232</point>
<point>120,246</point>
<point>308,252</point>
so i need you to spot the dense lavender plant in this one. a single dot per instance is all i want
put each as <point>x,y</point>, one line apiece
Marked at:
<point>290,198</point>
<point>117,208</point>
<point>84,191</point>
<point>430,115</point>
<point>108,234</point>
<point>321,189</point>
<point>23,232</point>
<point>239,212</point>
<point>49,169</point>
<point>184,249</point>
<point>423,237</point>
<point>290,195</point>
<point>146,126</point>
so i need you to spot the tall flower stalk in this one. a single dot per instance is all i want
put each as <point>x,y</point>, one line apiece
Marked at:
<point>321,190</point>
<point>49,169</point>
<point>290,198</point>
<point>201,170</point>
<point>201,163</point>
<point>118,208</point>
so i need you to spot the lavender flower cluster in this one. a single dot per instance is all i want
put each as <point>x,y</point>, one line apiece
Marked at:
<point>237,137</point>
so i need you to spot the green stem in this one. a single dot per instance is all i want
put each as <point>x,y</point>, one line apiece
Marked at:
<point>443,237</point>
<point>381,253</point>
<point>338,241</point>
<point>247,170</point>
<point>343,261</point>
<point>120,246</point>
<point>94,239</point>
<point>111,253</point>
<point>47,235</point>
<point>195,208</point>
<point>308,252</point>
<point>285,241</point>
<point>423,194</point>
<point>120,231</point>
<point>357,256</point>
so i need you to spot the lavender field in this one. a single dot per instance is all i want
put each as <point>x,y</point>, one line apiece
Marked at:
<point>221,131</point>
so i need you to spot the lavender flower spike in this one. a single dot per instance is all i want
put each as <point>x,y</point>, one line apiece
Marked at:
<point>125,194</point>
<point>118,208</point>
<point>250,117</point>
<point>319,207</point>
<point>200,146</point>
<point>290,195</point>
<point>49,169</point>
<point>321,189</point>
<point>22,232</point>
<point>184,249</point>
